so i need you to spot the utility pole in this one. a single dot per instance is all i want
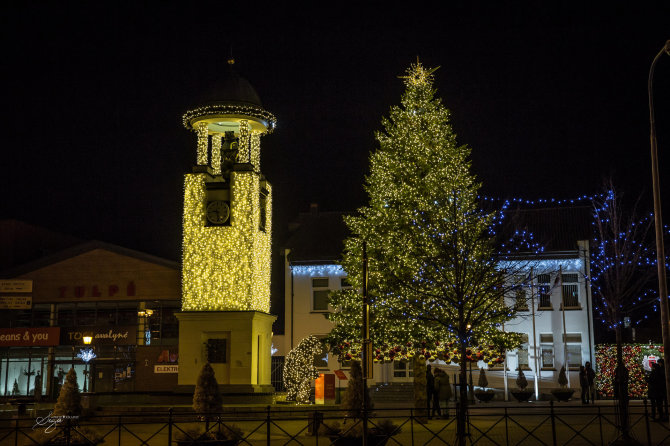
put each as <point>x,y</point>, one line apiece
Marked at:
<point>658,222</point>
<point>366,351</point>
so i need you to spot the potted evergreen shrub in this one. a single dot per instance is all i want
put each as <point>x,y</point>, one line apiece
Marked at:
<point>563,393</point>
<point>520,393</point>
<point>483,394</point>
<point>66,415</point>
<point>350,433</point>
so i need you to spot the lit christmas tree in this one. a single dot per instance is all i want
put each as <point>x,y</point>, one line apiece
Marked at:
<point>435,285</point>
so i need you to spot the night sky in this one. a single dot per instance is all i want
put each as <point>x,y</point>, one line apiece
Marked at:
<point>550,100</point>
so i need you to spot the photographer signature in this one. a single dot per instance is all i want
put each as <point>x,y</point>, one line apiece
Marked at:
<point>50,422</point>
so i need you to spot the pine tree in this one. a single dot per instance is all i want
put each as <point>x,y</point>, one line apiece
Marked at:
<point>434,283</point>
<point>207,398</point>
<point>483,381</point>
<point>69,398</point>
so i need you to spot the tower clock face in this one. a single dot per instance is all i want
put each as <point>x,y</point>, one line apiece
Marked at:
<point>218,212</point>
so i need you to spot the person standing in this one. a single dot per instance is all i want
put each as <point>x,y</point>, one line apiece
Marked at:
<point>443,390</point>
<point>584,384</point>
<point>430,387</point>
<point>591,379</point>
<point>661,391</point>
<point>653,393</point>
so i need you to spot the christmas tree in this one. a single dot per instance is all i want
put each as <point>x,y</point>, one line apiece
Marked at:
<point>434,283</point>
<point>69,398</point>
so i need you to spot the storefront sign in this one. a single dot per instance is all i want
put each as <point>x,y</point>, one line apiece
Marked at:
<point>95,291</point>
<point>33,336</point>
<point>121,335</point>
<point>16,302</point>
<point>16,286</point>
<point>164,368</point>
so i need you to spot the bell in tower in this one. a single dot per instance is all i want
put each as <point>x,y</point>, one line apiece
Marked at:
<point>226,241</point>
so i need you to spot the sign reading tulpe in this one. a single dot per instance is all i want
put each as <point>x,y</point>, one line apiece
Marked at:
<point>19,337</point>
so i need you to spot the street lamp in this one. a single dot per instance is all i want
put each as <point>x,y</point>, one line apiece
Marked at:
<point>658,222</point>
<point>86,355</point>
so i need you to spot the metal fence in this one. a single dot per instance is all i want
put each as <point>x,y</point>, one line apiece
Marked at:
<point>508,425</point>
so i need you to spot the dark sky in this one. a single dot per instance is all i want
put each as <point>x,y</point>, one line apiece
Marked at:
<point>550,100</point>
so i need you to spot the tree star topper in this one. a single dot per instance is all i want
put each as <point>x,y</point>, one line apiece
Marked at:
<point>418,75</point>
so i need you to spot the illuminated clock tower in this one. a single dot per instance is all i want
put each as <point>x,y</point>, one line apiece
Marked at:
<point>227,224</point>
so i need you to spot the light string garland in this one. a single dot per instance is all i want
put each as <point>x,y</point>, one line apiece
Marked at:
<point>223,110</point>
<point>299,370</point>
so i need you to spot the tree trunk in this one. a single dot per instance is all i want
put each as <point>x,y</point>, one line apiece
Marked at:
<point>462,412</point>
<point>621,384</point>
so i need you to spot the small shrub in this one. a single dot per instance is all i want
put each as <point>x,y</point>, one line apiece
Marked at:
<point>483,382</point>
<point>69,398</point>
<point>521,381</point>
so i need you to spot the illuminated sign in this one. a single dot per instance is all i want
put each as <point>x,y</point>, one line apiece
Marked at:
<point>19,337</point>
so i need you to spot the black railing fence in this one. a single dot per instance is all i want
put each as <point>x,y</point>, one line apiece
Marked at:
<point>509,425</point>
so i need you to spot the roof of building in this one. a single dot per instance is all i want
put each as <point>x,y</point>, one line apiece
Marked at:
<point>556,229</point>
<point>79,249</point>
<point>230,87</point>
<point>317,237</point>
<point>22,242</point>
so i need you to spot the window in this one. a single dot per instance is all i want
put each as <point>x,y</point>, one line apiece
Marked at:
<point>320,294</point>
<point>570,278</point>
<point>216,351</point>
<point>321,358</point>
<point>547,350</point>
<point>520,302</point>
<point>574,349</point>
<point>263,204</point>
<point>522,353</point>
<point>402,369</point>
<point>544,291</point>
<point>570,296</point>
<point>344,283</point>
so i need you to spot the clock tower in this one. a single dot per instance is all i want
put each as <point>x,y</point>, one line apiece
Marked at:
<point>226,240</point>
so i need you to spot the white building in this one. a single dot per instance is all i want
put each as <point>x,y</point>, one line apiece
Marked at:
<point>554,333</point>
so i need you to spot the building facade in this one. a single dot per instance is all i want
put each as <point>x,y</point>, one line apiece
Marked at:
<point>124,300</point>
<point>554,311</point>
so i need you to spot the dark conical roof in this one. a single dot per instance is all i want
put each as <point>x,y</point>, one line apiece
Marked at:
<point>231,87</point>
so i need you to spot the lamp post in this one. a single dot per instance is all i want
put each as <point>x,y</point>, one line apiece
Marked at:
<point>658,222</point>
<point>86,355</point>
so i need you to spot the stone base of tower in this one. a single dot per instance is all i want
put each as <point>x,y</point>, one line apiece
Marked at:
<point>237,344</point>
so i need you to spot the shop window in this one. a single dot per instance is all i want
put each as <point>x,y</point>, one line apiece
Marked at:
<point>41,315</point>
<point>127,316</point>
<point>66,315</point>
<point>320,292</point>
<point>85,314</point>
<point>106,313</point>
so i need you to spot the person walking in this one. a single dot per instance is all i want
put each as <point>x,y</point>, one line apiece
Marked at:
<point>443,390</point>
<point>591,379</point>
<point>430,387</point>
<point>584,384</point>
